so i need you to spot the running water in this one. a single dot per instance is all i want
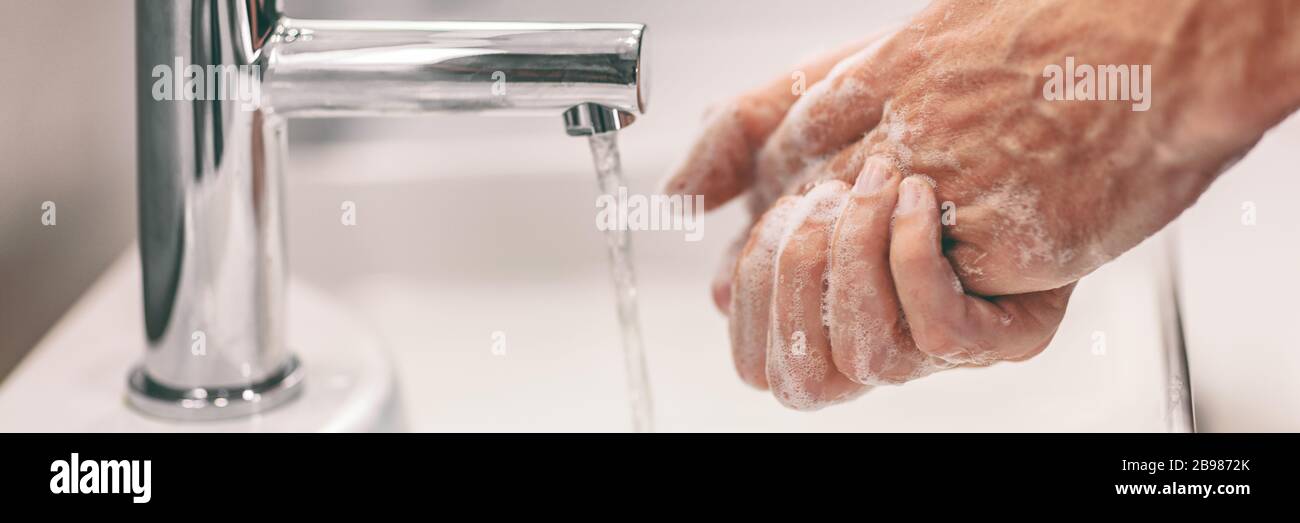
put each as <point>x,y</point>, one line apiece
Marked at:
<point>609,174</point>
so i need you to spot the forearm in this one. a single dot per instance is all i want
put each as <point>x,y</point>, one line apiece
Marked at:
<point>1233,74</point>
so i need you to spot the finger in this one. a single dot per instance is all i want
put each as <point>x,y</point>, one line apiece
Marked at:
<point>800,368</point>
<point>869,341</point>
<point>720,165</point>
<point>751,294</point>
<point>721,287</point>
<point>844,166</point>
<point>945,321</point>
<point>834,112</point>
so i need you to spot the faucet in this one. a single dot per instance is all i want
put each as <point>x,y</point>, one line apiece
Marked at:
<point>211,168</point>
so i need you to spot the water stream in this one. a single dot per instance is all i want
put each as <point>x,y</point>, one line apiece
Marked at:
<point>609,174</point>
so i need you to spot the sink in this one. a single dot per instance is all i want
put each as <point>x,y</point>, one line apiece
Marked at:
<point>75,379</point>
<point>501,315</point>
<point>473,285</point>
<point>481,298</point>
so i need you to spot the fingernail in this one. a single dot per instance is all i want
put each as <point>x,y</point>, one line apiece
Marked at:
<point>872,178</point>
<point>910,195</point>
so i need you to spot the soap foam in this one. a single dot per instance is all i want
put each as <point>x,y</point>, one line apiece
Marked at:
<point>751,297</point>
<point>791,370</point>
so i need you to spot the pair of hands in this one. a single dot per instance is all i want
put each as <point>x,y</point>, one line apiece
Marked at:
<point>855,274</point>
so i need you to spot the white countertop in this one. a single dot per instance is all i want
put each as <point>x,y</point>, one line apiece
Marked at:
<point>437,289</point>
<point>75,380</point>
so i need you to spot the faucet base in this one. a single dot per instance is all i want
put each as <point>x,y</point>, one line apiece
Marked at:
<point>160,400</point>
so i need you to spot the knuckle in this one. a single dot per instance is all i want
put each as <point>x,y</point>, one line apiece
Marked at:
<point>873,358</point>
<point>938,338</point>
<point>1036,348</point>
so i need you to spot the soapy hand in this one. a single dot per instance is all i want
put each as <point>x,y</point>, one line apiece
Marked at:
<point>1001,197</point>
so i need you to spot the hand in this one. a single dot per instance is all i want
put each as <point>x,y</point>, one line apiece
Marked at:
<point>1044,191</point>
<point>827,301</point>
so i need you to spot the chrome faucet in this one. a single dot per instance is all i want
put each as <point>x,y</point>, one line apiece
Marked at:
<point>211,163</point>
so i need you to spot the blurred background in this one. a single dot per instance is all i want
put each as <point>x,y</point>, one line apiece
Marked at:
<point>67,133</point>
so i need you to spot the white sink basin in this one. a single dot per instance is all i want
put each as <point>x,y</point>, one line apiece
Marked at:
<point>442,263</point>
<point>469,228</point>
<point>444,266</point>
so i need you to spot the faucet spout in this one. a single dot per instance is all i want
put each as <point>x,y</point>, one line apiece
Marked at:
<point>341,68</point>
<point>590,118</point>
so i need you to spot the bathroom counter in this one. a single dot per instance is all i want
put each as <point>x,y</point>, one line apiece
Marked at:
<point>75,379</point>
<point>476,262</point>
<point>502,318</point>
<point>505,323</point>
